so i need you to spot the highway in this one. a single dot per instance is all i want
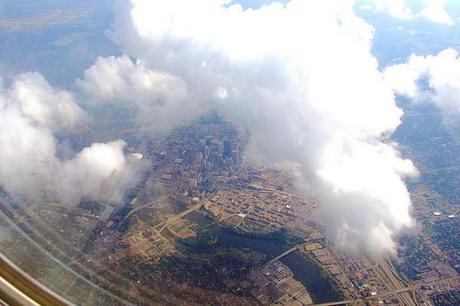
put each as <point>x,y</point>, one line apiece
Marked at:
<point>163,224</point>
<point>141,207</point>
<point>399,286</point>
<point>178,216</point>
<point>281,192</point>
<point>406,289</point>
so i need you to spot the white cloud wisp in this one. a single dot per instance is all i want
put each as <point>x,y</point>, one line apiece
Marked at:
<point>430,79</point>
<point>433,10</point>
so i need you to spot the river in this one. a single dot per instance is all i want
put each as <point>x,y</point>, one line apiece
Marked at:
<point>305,271</point>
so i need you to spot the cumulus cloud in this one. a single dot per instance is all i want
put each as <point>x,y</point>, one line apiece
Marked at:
<point>120,80</point>
<point>433,79</point>
<point>31,111</point>
<point>45,106</point>
<point>101,171</point>
<point>311,100</point>
<point>433,10</point>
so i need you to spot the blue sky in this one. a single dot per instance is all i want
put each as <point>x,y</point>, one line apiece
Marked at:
<point>254,3</point>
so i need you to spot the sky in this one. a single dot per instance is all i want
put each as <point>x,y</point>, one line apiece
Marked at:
<point>433,10</point>
<point>254,3</point>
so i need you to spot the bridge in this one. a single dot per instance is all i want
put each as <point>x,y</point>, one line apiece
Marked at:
<point>406,289</point>
<point>294,248</point>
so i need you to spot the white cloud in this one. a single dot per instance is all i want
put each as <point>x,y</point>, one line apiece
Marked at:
<point>306,88</point>
<point>46,106</point>
<point>433,10</point>
<point>120,80</point>
<point>101,171</point>
<point>31,111</point>
<point>396,8</point>
<point>442,75</point>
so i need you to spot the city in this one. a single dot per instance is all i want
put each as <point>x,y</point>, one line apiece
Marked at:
<point>206,221</point>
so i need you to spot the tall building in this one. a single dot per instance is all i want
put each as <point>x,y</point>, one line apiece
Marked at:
<point>193,183</point>
<point>236,157</point>
<point>199,157</point>
<point>228,163</point>
<point>227,148</point>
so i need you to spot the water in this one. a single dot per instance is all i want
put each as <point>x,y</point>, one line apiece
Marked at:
<point>304,270</point>
<point>310,276</point>
<point>229,239</point>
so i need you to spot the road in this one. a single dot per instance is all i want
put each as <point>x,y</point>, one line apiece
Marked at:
<point>178,216</point>
<point>281,192</point>
<point>406,289</point>
<point>399,286</point>
<point>141,207</point>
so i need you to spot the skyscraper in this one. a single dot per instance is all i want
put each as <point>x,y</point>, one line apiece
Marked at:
<point>236,157</point>
<point>227,149</point>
